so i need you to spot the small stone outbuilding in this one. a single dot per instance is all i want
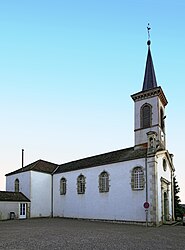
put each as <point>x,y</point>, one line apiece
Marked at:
<point>13,205</point>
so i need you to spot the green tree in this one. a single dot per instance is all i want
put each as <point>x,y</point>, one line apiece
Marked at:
<point>179,211</point>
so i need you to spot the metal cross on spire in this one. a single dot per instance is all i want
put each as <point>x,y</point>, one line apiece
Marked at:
<point>148,28</point>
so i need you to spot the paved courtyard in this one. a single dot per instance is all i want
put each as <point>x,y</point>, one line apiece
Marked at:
<point>65,234</point>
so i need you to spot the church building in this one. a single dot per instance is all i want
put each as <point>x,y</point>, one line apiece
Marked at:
<point>131,185</point>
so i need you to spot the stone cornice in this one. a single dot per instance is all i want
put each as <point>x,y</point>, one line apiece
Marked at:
<point>165,181</point>
<point>150,93</point>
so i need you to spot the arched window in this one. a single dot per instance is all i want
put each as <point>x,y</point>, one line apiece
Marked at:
<point>104,182</point>
<point>81,184</point>
<point>63,186</point>
<point>137,178</point>
<point>16,185</point>
<point>162,118</point>
<point>146,116</point>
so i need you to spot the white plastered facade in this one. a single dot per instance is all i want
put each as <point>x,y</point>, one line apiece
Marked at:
<point>7,207</point>
<point>120,203</point>
<point>37,187</point>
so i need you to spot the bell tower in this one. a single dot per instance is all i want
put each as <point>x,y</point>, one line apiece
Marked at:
<point>150,103</point>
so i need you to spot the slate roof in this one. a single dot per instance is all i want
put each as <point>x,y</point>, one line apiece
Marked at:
<point>13,196</point>
<point>89,162</point>
<point>150,81</point>
<point>39,166</point>
<point>103,159</point>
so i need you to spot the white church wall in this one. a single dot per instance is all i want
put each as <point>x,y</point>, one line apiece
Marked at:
<point>37,187</point>
<point>7,207</point>
<point>166,174</point>
<point>24,183</point>
<point>120,203</point>
<point>40,194</point>
<point>141,134</point>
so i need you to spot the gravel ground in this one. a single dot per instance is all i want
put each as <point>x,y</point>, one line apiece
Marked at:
<point>67,234</point>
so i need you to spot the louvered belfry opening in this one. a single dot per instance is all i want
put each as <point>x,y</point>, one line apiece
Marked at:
<point>146,116</point>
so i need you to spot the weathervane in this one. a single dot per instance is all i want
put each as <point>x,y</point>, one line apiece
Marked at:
<point>148,28</point>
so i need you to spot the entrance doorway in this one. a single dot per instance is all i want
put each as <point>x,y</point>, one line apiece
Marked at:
<point>165,201</point>
<point>22,214</point>
<point>165,206</point>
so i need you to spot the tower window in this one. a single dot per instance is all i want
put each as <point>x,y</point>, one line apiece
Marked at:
<point>162,118</point>
<point>146,116</point>
<point>63,186</point>
<point>104,182</point>
<point>164,165</point>
<point>81,184</point>
<point>16,185</point>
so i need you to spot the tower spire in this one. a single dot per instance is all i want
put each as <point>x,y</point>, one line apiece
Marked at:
<point>149,77</point>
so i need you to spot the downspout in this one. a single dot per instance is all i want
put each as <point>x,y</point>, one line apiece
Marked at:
<point>173,197</point>
<point>52,195</point>
<point>172,188</point>
<point>146,170</point>
<point>52,190</point>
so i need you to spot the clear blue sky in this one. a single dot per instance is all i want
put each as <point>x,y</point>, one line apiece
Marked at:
<point>68,68</point>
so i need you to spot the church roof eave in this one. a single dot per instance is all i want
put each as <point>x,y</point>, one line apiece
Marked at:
<point>13,196</point>
<point>121,155</point>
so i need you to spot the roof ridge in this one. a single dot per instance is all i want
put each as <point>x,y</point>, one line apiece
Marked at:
<point>3,191</point>
<point>47,162</point>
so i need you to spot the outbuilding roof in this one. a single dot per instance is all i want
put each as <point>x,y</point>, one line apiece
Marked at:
<point>39,166</point>
<point>13,196</point>
<point>103,159</point>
